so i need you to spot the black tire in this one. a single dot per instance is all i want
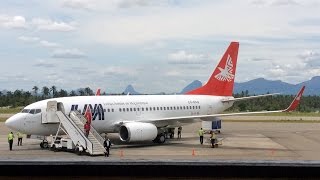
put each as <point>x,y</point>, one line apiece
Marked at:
<point>45,145</point>
<point>161,139</point>
<point>41,145</point>
<point>77,151</point>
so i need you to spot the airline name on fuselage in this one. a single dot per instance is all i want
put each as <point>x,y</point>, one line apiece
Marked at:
<point>96,110</point>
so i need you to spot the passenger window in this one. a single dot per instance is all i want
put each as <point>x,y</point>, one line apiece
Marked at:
<point>32,111</point>
<point>190,107</point>
<point>187,107</point>
<point>184,107</point>
<point>174,108</point>
<point>134,109</point>
<point>177,107</point>
<point>127,109</point>
<point>161,108</point>
<point>38,111</point>
<point>138,109</point>
<point>123,109</point>
<point>130,109</point>
<point>112,110</point>
<point>120,109</point>
<point>193,107</point>
<point>146,109</point>
<point>171,108</point>
<point>158,108</point>
<point>181,107</point>
<point>142,109</point>
<point>164,108</point>
<point>154,108</point>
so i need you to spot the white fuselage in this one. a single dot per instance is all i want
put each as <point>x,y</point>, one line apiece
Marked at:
<point>108,111</point>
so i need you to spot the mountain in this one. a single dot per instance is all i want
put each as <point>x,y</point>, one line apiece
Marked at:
<point>263,86</point>
<point>129,89</point>
<point>195,84</point>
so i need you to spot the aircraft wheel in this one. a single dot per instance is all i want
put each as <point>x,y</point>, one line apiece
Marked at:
<point>162,138</point>
<point>41,145</point>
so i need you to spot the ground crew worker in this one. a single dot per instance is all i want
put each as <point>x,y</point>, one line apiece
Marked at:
<point>86,128</point>
<point>107,145</point>
<point>10,140</point>
<point>213,138</point>
<point>179,132</point>
<point>20,136</point>
<point>201,132</point>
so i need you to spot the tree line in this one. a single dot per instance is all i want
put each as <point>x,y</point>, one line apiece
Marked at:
<point>23,98</point>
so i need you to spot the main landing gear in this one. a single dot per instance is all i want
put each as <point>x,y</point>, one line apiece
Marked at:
<point>44,144</point>
<point>161,138</point>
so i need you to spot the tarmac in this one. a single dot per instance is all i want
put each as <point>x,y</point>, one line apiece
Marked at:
<point>258,143</point>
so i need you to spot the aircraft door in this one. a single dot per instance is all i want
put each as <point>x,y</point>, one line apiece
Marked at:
<point>49,116</point>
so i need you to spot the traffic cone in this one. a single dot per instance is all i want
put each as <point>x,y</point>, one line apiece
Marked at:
<point>121,153</point>
<point>193,152</point>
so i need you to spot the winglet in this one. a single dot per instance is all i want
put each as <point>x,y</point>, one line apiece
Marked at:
<point>98,92</point>
<point>295,101</point>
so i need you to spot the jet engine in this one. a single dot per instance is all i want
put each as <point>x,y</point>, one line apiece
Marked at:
<point>137,131</point>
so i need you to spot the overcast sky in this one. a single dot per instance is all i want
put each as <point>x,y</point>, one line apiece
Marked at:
<point>155,45</point>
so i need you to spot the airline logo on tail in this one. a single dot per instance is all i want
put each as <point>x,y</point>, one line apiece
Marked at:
<point>226,74</point>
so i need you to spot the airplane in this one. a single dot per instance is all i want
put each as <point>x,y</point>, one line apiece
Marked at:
<point>144,117</point>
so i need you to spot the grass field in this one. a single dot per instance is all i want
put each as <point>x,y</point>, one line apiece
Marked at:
<point>3,119</point>
<point>10,110</point>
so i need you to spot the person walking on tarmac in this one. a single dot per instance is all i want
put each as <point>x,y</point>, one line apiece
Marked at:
<point>107,145</point>
<point>179,132</point>
<point>10,140</point>
<point>87,128</point>
<point>201,132</point>
<point>213,139</point>
<point>20,136</point>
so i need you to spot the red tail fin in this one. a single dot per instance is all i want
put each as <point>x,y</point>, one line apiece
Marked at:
<point>222,79</point>
<point>98,92</point>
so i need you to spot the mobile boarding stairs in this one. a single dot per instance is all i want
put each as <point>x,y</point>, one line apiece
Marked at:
<point>73,126</point>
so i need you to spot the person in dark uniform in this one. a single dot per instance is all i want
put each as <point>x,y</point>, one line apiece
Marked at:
<point>107,145</point>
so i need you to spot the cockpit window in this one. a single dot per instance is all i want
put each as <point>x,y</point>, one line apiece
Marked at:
<point>25,110</point>
<point>38,111</point>
<point>32,111</point>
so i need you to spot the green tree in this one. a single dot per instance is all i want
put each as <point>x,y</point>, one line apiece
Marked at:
<point>45,91</point>
<point>53,89</point>
<point>35,89</point>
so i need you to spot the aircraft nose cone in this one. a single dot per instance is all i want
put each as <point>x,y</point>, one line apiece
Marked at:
<point>12,122</point>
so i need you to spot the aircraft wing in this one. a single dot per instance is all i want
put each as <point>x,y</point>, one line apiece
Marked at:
<point>250,97</point>
<point>294,104</point>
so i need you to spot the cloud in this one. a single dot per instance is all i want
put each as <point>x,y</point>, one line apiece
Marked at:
<point>44,64</point>
<point>256,59</point>
<point>140,3</point>
<point>284,3</point>
<point>13,21</point>
<point>275,2</point>
<point>311,58</point>
<point>28,38</point>
<point>50,25</point>
<point>49,44</point>
<point>79,4</point>
<point>182,57</point>
<point>68,53</point>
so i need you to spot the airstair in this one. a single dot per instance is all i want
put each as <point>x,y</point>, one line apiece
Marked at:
<point>73,126</point>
